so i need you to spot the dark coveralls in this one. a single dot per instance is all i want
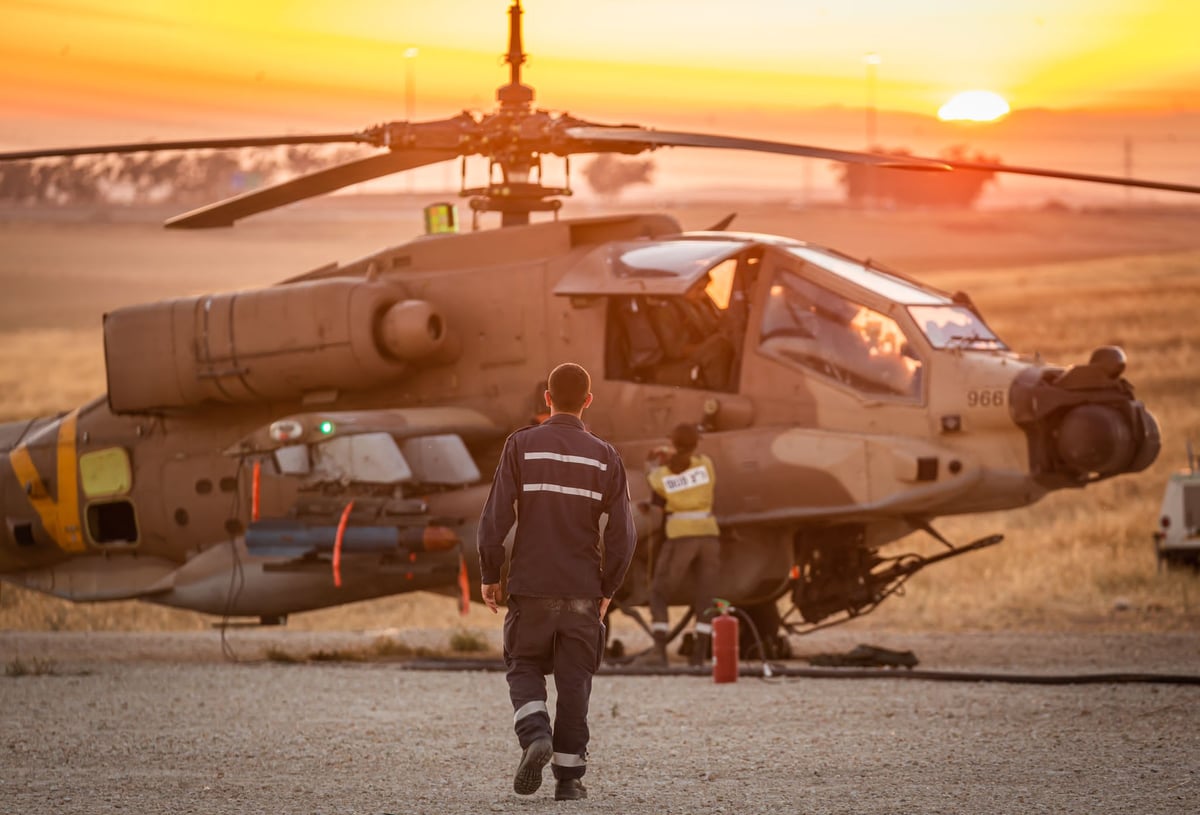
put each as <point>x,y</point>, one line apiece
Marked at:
<point>555,480</point>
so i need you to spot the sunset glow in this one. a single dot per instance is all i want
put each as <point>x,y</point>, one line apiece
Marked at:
<point>315,62</point>
<point>973,106</point>
<point>78,72</point>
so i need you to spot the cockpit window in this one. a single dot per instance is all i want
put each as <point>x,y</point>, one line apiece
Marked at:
<point>680,258</point>
<point>807,325</point>
<point>955,327</point>
<point>720,283</point>
<point>889,285</point>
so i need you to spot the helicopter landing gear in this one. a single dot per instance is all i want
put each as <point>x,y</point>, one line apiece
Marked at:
<point>768,640</point>
<point>840,578</point>
<point>615,651</point>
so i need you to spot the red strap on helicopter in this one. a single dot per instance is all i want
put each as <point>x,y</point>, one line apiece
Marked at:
<point>464,588</point>
<point>256,483</point>
<point>337,545</point>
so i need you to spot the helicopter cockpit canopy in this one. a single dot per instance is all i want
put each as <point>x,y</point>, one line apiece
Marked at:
<point>676,307</point>
<point>945,322</point>
<point>663,268</point>
<point>955,326</point>
<point>808,325</point>
<point>679,313</point>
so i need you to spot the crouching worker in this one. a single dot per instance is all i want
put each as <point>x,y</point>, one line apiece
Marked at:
<point>684,479</point>
<point>555,480</point>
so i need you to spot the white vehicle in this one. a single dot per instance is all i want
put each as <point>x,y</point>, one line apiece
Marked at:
<point>1177,539</point>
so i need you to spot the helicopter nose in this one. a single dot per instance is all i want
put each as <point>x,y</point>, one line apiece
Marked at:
<point>1083,423</point>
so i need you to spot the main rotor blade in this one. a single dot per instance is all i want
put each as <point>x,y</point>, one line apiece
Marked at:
<point>224,213</point>
<point>665,138</point>
<point>191,144</point>
<point>654,138</point>
<point>1096,179</point>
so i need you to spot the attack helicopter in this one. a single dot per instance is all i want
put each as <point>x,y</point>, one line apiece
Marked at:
<point>331,438</point>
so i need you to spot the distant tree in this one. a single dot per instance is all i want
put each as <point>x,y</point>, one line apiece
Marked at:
<point>177,177</point>
<point>608,175</point>
<point>956,189</point>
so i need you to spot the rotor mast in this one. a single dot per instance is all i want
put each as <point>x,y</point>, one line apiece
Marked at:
<point>514,196</point>
<point>514,94</point>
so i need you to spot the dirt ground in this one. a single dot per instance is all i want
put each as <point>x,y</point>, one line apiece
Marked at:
<point>163,723</point>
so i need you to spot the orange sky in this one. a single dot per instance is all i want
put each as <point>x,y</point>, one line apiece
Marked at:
<point>313,63</point>
<point>86,71</point>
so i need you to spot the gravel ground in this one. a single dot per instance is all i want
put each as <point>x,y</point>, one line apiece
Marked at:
<point>150,723</point>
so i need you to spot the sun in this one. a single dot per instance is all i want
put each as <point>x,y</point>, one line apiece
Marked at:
<point>974,106</point>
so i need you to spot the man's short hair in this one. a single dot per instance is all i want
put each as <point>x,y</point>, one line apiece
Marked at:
<point>569,386</point>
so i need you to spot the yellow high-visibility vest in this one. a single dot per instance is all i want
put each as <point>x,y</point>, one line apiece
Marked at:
<point>689,497</point>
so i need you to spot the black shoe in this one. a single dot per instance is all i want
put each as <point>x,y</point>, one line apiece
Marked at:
<point>533,761</point>
<point>569,789</point>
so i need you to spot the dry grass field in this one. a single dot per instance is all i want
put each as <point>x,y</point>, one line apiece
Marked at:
<point>1055,283</point>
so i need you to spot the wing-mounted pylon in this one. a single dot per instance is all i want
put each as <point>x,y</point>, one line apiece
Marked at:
<point>386,491</point>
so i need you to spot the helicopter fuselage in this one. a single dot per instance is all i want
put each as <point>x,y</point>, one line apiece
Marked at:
<point>837,398</point>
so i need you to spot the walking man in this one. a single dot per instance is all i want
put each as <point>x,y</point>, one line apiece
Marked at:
<point>556,480</point>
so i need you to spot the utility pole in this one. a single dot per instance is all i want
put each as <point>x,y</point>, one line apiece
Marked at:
<point>410,96</point>
<point>871,60</point>
<point>1128,170</point>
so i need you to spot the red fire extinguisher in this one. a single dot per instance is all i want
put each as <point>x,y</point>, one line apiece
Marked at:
<point>725,644</point>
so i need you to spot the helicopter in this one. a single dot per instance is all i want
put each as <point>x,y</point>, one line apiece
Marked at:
<point>331,438</point>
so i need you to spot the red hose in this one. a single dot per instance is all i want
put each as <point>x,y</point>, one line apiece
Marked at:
<point>337,545</point>
<point>256,485</point>
<point>464,588</point>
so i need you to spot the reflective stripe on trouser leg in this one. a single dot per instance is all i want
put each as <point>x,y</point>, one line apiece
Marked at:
<point>531,722</point>
<point>530,708</point>
<point>568,765</point>
<point>576,655</point>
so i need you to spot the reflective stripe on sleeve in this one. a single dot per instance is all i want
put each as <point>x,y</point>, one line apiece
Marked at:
<point>568,760</point>
<point>530,708</point>
<point>703,628</point>
<point>559,488</point>
<point>567,459</point>
<point>657,626</point>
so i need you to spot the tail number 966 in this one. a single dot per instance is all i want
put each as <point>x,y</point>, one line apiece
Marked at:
<point>985,397</point>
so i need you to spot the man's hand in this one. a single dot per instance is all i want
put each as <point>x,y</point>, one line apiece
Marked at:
<point>491,596</point>
<point>659,456</point>
<point>604,601</point>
